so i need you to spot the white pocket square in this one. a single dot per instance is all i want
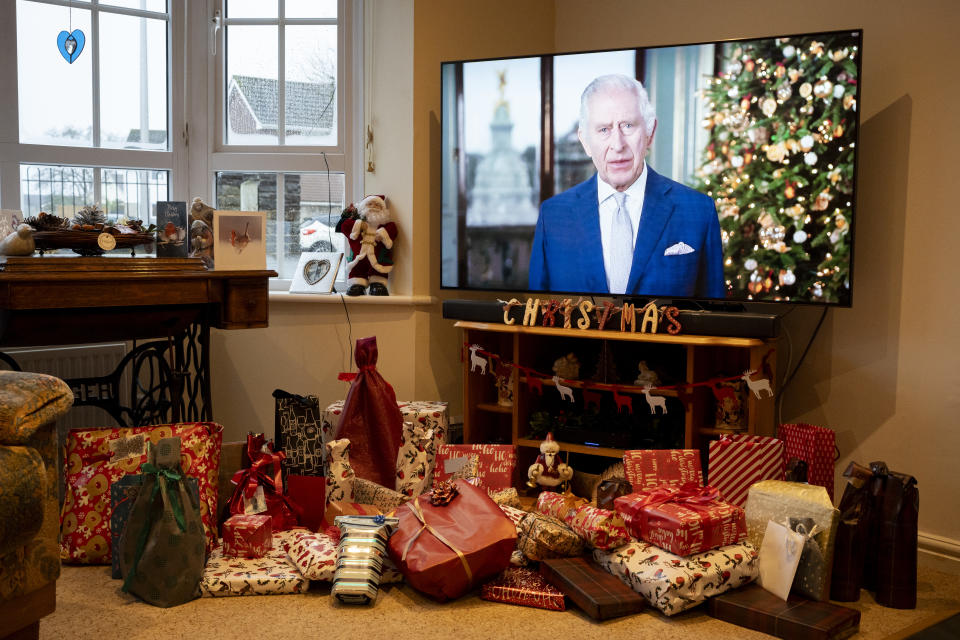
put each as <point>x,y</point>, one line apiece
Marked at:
<point>678,249</point>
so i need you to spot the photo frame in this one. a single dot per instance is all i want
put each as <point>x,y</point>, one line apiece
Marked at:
<point>173,229</point>
<point>239,240</point>
<point>316,272</point>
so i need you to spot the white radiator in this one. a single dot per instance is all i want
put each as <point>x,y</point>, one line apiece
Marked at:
<point>82,361</point>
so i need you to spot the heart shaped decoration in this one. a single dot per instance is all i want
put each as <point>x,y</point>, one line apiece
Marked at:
<point>315,270</point>
<point>71,44</point>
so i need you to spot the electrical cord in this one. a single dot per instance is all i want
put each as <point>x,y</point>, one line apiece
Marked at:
<point>792,374</point>
<point>346,312</point>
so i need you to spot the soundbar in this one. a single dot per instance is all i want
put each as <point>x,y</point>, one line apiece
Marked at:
<point>734,324</point>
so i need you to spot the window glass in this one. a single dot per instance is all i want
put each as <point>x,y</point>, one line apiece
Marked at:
<point>146,5</point>
<point>251,8</point>
<point>60,191</point>
<point>310,8</point>
<point>311,82</point>
<point>251,93</point>
<point>133,192</point>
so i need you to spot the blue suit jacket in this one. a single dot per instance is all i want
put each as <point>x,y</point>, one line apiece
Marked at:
<point>567,255</point>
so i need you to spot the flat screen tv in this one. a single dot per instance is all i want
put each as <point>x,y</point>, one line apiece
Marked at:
<point>712,171</point>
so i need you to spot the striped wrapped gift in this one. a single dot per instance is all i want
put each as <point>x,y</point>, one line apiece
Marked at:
<point>737,462</point>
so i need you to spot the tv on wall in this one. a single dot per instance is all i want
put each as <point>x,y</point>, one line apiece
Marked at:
<point>712,171</point>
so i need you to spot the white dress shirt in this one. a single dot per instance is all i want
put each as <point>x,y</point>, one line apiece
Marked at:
<point>608,209</point>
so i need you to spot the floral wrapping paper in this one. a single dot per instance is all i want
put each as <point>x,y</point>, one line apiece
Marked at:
<point>369,492</point>
<point>558,505</point>
<point>600,529</point>
<point>247,536</point>
<point>540,537</point>
<point>683,528</point>
<point>96,458</point>
<point>315,556</point>
<point>508,496</point>
<point>524,587</point>
<point>495,468</point>
<point>273,574</point>
<point>651,468</point>
<point>673,584</point>
<point>415,460</point>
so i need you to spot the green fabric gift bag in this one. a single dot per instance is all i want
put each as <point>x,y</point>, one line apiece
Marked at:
<point>162,547</point>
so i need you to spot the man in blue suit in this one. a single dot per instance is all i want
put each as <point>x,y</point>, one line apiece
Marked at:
<point>626,230</point>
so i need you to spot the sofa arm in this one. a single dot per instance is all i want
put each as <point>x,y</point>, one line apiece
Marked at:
<point>22,492</point>
<point>28,401</point>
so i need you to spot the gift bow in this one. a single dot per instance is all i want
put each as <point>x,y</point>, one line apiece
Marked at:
<point>260,461</point>
<point>690,494</point>
<point>418,513</point>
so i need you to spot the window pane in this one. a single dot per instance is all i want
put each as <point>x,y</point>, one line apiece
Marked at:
<point>55,97</point>
<point>251,8</point>
<point>238,191</point>
<point>311,69</point>
<point>310,8</point>
<point>147,5</point>
<point>133,192</point>
<point>133,82</point>
<point>502,140</point>
<point>252,101</point>
<point>61,191</point>
<point>571,75</point>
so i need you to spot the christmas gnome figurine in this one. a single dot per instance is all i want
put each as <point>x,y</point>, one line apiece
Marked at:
<point>370,236</point>
<point>548,471</point>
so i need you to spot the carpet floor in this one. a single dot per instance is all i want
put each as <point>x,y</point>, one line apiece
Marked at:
<point>91,605</point>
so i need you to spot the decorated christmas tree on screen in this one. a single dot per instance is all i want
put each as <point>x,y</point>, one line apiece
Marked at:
<point>779,163</point>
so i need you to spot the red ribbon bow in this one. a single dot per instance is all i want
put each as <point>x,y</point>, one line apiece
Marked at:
<point>259,472</point>
<point>689,495</point>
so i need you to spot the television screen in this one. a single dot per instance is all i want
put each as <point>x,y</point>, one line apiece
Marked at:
<point>716,171</point>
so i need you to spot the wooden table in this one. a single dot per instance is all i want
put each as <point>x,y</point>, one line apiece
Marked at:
<point>59,300</point>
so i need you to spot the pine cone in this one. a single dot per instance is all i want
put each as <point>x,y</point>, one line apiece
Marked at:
<point>90,215</point>
<point>46,222</point>
<point>443,493</point>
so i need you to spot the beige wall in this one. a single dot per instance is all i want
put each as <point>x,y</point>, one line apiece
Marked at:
<point>881,373</point>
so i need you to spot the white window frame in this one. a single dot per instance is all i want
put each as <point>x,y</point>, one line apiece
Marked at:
<point>13,153</point>
<point>346,156</point>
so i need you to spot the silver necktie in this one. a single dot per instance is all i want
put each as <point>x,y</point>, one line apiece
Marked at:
<point>622,244</point>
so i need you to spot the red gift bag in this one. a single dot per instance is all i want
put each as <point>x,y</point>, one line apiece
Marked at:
<point>263,475</point>
<point>737,462</point>
<point>814,445</point>
<point>371,419</point>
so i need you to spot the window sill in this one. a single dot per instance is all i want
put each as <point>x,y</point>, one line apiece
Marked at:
<point>336,298</point>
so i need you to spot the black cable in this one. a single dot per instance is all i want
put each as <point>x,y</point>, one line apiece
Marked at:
<point>803,355</point>
<point>349,331</point>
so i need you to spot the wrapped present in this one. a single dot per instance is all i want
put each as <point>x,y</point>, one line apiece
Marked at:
<point>558,505</point>
<point>652,468</point>
<point>795,619</point>
<point>340,474</point>
<point>813,572</point>
<point>673,584</point>
<point>524,587</point>
<point>308,493</point>
<point>123,493</point>
<point>162,547</point>
<point>259,487</point>
<point>297,431</point>
<point>444,550</point>
<point>814,445</point>
<point>247,536</point>
<point>415,460</point>
<point>779,501</point>
<point>495,466</point>
<point>273,574</point>
<point>736,462</point>
<point>96,458</point>
<point>542,537</point>
<point>335,509</point>
<point>361,554</point>
<point>591,588</point>
<point>682,520</point>
<point>877,537</point>
<point>508,496</point>
<point>515,515</point>
<point>599,528</point>
<point>315,556</point>
<point>367,492</point>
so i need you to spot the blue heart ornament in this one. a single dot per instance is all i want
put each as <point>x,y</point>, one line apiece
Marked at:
<point>71,44</point>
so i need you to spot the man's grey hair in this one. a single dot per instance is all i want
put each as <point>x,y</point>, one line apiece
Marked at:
<point>617,81</point>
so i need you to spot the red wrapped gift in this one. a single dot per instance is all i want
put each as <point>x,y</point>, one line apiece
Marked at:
<point>814,445</point>
<point>601,529</point>
<point>260,486</point>
<point>739,461</point>
<point>445,550</point>
<point>308,493</point>
<point>683,520</point>
<point>526,587</point>
<point>371,420</point>
<point>495,463</point>
<point>652,468</point>
<point>247,536</point>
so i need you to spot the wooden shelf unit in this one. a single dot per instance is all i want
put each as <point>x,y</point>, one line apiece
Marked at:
<point>704,357</point>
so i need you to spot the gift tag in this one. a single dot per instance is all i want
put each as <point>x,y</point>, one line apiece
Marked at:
<point>256,504</point>
<point>131,447</point>
<point>453,465</point>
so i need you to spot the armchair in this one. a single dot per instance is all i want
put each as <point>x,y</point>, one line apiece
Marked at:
<point>29,509</point>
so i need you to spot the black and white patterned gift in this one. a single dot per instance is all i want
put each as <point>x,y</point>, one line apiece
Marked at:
<point>298,433</point>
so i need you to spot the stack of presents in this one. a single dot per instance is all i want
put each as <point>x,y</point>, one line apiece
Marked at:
<point>369,492</point>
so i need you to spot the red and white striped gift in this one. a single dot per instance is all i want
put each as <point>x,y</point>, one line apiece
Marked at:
<point>737,462</point>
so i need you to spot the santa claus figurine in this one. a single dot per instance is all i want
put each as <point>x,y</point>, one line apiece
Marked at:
<point>548,471</point>
<point>370,235</point>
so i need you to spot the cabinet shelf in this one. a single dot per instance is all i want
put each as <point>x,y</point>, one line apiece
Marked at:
<point>493,408</point>
<point>575,448</point>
